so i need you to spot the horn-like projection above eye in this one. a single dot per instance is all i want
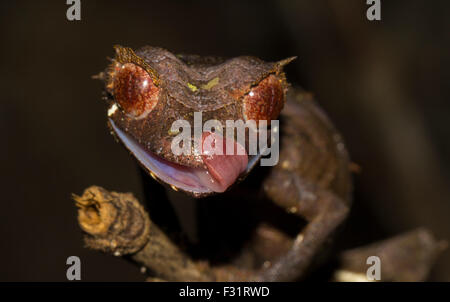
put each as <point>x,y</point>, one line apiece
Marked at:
<point>264,101</point>
<point>134,90</point>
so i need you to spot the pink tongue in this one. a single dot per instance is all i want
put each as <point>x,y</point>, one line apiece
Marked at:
<point>224,168</point>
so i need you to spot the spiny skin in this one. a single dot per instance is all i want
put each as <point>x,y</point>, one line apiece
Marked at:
<point>188,84</point>
<point>312,178</point>
<point>238,88</point>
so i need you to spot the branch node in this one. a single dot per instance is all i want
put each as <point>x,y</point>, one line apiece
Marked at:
<point>114,223</point>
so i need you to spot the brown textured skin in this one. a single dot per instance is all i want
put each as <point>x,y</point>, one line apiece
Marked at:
<point>174,76</point>
<point>312,178</point>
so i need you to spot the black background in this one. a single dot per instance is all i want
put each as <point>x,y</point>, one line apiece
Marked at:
<point>384,84</point>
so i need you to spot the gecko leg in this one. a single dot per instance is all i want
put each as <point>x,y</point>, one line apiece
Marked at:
<point>324,212</point>
<point>311,181</point>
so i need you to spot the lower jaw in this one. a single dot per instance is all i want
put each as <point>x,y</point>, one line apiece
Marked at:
<point>197,181</point>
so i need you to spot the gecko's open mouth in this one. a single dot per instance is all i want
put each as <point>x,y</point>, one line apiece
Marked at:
<point>220,171</point>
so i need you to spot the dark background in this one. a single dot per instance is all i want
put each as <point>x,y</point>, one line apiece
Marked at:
<point>384,84</point>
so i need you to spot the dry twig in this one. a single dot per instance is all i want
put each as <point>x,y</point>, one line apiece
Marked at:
<point>116,223</point>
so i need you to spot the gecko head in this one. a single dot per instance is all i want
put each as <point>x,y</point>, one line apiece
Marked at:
<point>154,96</point>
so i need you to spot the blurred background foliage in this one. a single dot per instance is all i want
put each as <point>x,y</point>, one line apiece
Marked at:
<point>383,83</point>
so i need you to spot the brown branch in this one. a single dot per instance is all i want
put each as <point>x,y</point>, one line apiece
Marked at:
<point>116,223</point>
<point>407,257</point>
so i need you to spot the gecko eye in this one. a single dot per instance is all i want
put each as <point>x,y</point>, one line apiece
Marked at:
<point>134,90</point>
<point>265,101</point>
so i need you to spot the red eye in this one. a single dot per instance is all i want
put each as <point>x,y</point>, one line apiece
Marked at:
<point>134,90</point>
<point>265,101</point>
